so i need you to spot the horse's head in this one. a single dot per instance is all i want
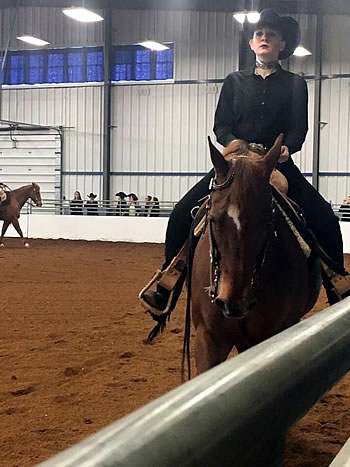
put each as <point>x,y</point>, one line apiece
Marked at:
<point>240,219</point>
<point>35,195</point>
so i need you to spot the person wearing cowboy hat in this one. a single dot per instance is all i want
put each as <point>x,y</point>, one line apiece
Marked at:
<point>91,205</point>
<point>256,105</point>
<point>122,206</point>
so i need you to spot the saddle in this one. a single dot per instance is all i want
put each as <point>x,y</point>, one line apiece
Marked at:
<point>5,198</point>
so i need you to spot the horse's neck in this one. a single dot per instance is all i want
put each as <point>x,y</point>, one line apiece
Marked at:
<point>22,194</point>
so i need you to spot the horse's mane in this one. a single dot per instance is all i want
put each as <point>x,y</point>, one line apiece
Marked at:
<point>26,187</point>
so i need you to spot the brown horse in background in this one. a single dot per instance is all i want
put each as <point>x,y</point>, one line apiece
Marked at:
<point>259,280</point>
<point>10,212</point>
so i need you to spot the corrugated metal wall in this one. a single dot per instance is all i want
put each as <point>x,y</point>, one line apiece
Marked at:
<point>79,110</point>
<point>160,130</point>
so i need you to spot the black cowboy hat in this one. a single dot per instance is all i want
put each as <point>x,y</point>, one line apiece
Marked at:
<point>121,194</point>
<point>91,195</point>
<point>286,25</point>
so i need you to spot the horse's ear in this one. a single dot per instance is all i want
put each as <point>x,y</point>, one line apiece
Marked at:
<point>274,154</point>
<point>219,162</point>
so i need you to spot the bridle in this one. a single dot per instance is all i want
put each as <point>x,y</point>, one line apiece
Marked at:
<point>36,198</point>
<point>214,252</point>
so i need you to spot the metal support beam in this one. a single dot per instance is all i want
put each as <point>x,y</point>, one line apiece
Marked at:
<point>317,103</point>
<point>238,413</point>
<point>107,103</point>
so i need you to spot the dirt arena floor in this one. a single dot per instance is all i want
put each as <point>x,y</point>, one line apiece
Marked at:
<point>72,358</point>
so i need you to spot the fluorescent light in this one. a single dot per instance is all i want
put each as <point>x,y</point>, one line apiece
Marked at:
<point>240,17</point>
<point>153,45</point>
<point>253,17</point>
<point>32,40</point>
<point>301,52</point>
<point>82,14</point>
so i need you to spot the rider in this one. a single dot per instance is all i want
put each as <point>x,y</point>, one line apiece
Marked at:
<point>257,105</point>
<point>3,188</point>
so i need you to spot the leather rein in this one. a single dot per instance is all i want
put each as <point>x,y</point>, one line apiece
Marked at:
<point>214,252</point>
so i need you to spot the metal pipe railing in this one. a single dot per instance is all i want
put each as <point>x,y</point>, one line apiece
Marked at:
<point>108,207</point>
<point>104,208</point>
<point>238,413</point>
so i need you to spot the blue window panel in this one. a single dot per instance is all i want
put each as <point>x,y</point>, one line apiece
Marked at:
<point>36,69</point>
<point>164,64</point>
<point>55,68</point>
<point>2,74</point>
<point>143,65</point>
<point>122,69</point>
<point>122,73</point>
<point>17,69</point>
<point>142,72</point>
<point>134,63</point>
<point>94,66</point>
<point>75,68</point>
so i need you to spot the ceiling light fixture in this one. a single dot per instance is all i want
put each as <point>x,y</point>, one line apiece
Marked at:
<point>32,40</point>
<point>153,45</point>
<point>240,17</point>
<point>253,17</point>
<point>82,14</point>
<point>301,52</point>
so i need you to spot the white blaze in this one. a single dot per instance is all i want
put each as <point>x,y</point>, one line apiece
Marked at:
<point>233,212</point>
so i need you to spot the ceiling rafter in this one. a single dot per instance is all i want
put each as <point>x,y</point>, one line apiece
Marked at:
<point>339,7</point>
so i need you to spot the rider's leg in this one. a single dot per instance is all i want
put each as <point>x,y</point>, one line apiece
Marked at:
<point>178,229</point>
<point>318,213</point>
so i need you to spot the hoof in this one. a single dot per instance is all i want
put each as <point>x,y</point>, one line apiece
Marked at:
<point>2,245</point>
<point>26,245</point>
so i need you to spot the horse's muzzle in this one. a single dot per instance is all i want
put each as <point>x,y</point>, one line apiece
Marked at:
<point>236,310</point>
<point>232,310</point>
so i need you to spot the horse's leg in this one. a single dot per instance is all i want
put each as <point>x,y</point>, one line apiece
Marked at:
<point>209,351</point>
<point>3,231</point>
<point>16,225</point>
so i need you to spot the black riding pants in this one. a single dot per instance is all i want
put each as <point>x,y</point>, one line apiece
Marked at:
<point>318,214</point>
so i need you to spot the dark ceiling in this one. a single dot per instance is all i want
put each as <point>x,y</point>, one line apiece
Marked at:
<point>338,7</point>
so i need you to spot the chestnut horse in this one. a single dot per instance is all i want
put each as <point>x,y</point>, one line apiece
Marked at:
<point>250,277</point>
<point>9,213</point>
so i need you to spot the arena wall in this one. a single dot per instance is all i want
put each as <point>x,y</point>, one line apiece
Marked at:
<point>104,228</point>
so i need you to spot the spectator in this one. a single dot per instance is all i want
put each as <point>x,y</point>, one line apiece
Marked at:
<point>148,206</point>
<point>345,210</point>
<point>154,211</point>
<point>122,205</point>
<point>134,206</point>
<point>92,205</point>
<point>76,205</point>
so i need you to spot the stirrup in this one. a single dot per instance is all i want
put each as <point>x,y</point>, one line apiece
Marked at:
<point>156,277</point>
<point>340,283</point>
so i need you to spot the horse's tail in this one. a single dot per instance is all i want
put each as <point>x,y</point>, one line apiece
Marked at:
<point>186,350</point>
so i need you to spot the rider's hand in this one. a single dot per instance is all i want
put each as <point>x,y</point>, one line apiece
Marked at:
<point>284,154</point>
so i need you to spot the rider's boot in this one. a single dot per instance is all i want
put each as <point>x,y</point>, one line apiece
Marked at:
<point>336,280</point>
<point>157,299</point>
